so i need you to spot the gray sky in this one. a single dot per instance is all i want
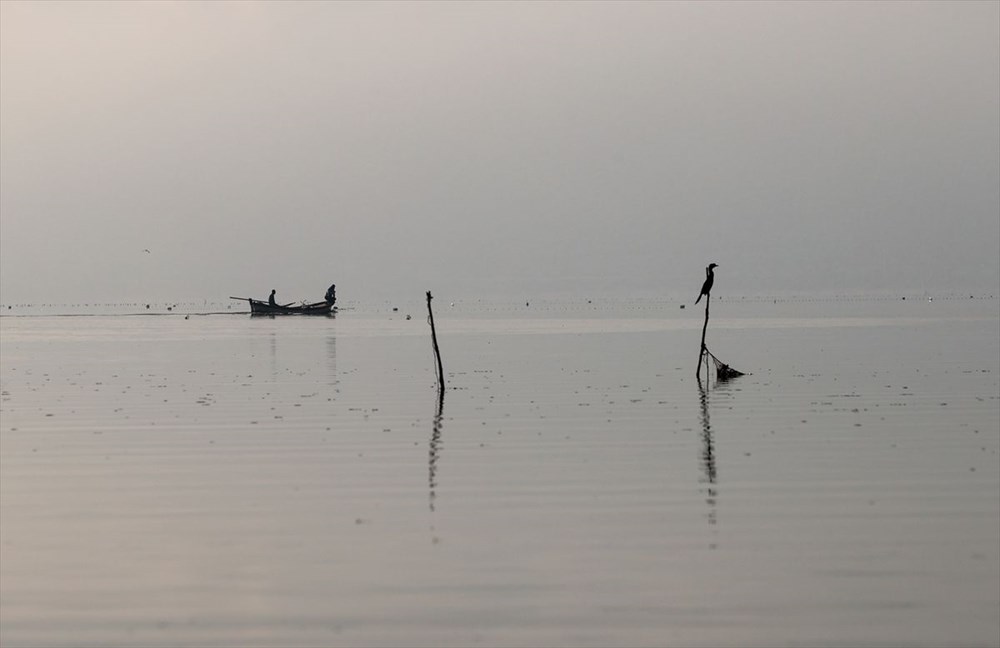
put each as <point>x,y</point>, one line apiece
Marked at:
<point>496,149</point>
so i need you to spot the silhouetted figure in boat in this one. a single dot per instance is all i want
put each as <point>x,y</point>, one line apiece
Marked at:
<point>331,294</point>
<point>270,300</point>
<point>706,287</point>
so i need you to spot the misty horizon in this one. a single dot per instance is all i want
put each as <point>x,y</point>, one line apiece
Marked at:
<point>497,150</point>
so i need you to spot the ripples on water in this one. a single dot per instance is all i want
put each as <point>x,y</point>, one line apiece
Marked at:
<point>227,480</point>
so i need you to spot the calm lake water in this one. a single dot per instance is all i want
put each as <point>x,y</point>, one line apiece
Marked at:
<point>222,480</point>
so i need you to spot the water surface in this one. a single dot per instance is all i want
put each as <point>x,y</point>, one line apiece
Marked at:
<point>224,480</point>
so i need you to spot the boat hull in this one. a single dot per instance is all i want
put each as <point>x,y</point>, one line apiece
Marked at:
<point>264,308</point>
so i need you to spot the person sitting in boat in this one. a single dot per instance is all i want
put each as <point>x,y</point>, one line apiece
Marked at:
<point>331,293</point>
<point>270,300</point>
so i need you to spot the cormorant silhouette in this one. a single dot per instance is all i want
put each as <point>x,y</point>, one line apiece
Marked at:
<point>709,280</point>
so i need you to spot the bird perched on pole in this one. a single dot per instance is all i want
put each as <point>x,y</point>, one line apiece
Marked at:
<point>706,287</point>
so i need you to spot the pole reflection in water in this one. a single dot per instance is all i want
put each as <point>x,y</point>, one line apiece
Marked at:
<point>708,458</point>
<point>434,452</point>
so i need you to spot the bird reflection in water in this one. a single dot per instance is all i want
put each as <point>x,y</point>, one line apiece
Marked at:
<point>708,458</point>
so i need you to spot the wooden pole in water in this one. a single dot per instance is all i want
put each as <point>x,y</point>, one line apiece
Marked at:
<point>434,340</point>
<point>701,354</point>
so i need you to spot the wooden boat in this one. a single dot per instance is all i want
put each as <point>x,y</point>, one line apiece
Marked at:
<point>258,307</point>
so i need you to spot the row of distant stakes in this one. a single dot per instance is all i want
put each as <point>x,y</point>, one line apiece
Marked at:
<point>723,371</point>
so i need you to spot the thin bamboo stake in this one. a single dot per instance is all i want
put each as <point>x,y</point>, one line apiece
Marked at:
<point>437,351</point>
<point>704,349</point>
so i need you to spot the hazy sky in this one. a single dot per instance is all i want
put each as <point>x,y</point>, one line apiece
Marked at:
<point>496,148</point>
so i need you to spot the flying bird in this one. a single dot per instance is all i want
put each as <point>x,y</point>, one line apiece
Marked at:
<point>146,250</point>
<point>706,287</point>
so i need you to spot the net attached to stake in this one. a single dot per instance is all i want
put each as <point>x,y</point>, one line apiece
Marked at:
<point>723,372</point>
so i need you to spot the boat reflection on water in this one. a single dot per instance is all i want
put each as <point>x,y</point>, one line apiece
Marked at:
<point>331,356</point>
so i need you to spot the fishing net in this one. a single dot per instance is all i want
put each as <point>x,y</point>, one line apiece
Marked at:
<point>723,372</point>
